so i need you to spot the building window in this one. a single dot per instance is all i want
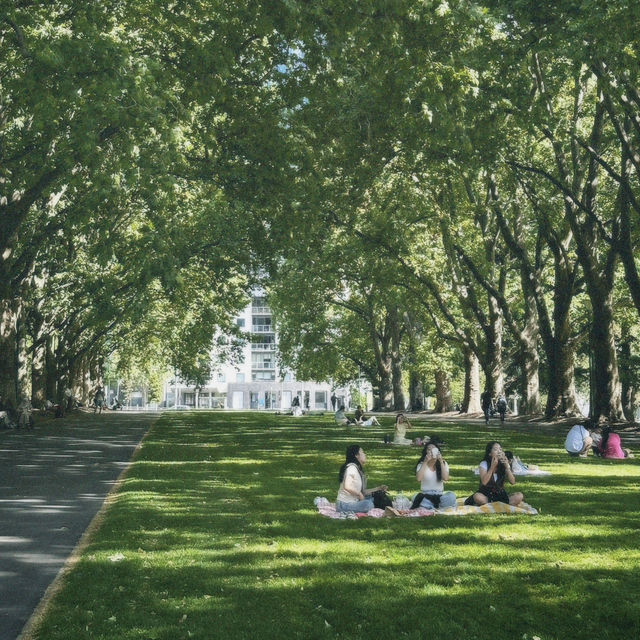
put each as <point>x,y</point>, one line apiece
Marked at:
<point>222,377</point>
<point>321,400</point>
<point>239,377</point>
<point>263,375</point>
<point>287,377</point>
<point>262,361</point>
<point>240,322</point>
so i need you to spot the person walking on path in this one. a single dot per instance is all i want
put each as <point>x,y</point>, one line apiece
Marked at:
<point>501,406</point>
<point>485,402</point>
<point>98,400</point>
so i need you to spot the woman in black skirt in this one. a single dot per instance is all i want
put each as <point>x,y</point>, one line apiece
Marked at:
<point>494,470</point>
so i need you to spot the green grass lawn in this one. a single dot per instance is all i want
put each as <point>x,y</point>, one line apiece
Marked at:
<point>214,535</point>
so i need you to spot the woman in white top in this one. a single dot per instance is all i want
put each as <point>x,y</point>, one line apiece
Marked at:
<point>432,472</point>
<point>353,494</point>
<point>495,470</point>
<point>401,426</point>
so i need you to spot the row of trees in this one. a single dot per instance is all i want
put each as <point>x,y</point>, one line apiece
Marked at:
<point>126,129</point>
<point>471,180</point>
<point>433,189</point>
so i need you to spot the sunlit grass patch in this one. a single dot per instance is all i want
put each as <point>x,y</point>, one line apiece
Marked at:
<point>214,534</point>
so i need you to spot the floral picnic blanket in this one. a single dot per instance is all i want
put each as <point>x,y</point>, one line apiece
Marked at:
<point>328,510</point>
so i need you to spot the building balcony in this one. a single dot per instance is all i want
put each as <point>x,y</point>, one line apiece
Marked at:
<point>261,310</point>
<point>261,346</point>
<point>262,328</point>
<point>263,366</point>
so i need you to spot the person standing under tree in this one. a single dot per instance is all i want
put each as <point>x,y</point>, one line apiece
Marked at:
<point>485,402</point>
<point>334,399</point>
<point>501,406</point>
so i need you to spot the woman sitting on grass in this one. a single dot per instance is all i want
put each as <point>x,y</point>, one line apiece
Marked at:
<point>353,494</point>
<point>432,472</point>
<point>341,417</point>
<point>610,446</point>
<point>401,426</point>
<point>494,470</point>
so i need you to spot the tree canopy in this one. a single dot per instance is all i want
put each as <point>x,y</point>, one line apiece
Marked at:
<point>427,190</point>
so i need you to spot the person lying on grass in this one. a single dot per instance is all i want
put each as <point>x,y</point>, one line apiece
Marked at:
<point>362,419</point>
<point>353,494</point>
<point>432,472</point>
<point>494,470</point>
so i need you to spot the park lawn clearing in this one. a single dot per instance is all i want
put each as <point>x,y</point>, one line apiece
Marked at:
<point>214,534</point>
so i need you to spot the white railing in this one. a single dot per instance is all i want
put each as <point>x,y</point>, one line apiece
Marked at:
<point>260,310</point>
<point>262,365</point>
<point>262,328</point>
<point>262,346</point>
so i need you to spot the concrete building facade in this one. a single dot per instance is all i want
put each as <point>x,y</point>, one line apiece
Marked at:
<point>257,382</point>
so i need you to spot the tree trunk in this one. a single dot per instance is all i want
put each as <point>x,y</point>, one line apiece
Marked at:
<point>9,312</point>
<point>530,360</point>
<point>416,391</point>
<point>530,383</point>
<point>493,355</point>
<point>51,369</point>
<point>561,399</point>
<point>607,388</point>
<point>399,403</point>
<point>444,401</point>
<point>626,379</point>
<point>22,362</point>
<point>471,401</point>
<point>386,386</point>
<point>38,376</point>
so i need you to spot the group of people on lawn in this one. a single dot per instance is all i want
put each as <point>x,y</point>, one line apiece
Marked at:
<point>432,471</point>
<point>603,442</point>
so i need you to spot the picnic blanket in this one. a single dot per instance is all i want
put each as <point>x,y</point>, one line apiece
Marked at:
<point>328,509</point>
<point>462,509</point>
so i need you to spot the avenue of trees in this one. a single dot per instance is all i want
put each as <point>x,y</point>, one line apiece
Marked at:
<point>432,192</point>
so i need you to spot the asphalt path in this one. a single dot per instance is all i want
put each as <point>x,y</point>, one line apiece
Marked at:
<point>53,481</point>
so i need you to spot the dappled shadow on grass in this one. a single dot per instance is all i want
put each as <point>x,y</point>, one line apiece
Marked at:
<point>217,531</point>
<point>300,594</point>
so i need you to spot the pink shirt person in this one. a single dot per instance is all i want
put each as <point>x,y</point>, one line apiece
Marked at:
<point>612,448</point>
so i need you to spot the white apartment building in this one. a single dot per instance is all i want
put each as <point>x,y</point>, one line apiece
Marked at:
<point>257,382</point>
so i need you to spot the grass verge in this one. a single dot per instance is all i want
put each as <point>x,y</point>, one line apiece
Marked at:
<point>213,534</point>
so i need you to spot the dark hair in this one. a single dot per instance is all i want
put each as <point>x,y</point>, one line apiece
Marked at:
<point>341,407</point>
<point>501,470</point>
<point>435,442</point>
<point>352,452</point>
<point>398,417</point>
<point>606,432</point>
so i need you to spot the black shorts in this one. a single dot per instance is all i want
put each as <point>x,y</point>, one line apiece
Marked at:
<point>493,494</point>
